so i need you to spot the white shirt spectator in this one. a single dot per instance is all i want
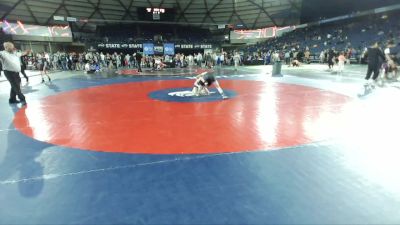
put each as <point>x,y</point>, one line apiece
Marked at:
<point>199,57</point>
<point>88,56</point>
<point>236,58</point>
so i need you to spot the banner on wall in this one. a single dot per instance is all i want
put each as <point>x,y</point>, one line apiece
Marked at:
<point>169,49</point>
<point>158,49</point>
<point>20,29</point>
<point>148,49</point>
<point>119,46</point>
<point>245,36</point>
<point>26,32</point>
<point>193,46</point>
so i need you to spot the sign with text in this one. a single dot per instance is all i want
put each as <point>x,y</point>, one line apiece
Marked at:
<point>193,46</point>
<point>245,36</point>
<point>20,29</point>
<point>166,48</point>
<point>119,46</point>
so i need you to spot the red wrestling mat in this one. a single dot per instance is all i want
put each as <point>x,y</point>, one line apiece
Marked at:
<point>123,118</point>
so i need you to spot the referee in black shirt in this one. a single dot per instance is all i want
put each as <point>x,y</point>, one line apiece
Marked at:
<point>375,60</point>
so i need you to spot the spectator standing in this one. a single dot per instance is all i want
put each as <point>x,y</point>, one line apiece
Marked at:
<point>139,57</point>
<point>342,60</point>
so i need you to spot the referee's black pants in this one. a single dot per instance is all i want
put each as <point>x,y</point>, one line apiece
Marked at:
<point>372,69</point>
<point>15,82</point>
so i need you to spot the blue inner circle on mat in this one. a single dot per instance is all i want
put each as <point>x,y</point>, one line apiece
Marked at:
<point>183,95</point>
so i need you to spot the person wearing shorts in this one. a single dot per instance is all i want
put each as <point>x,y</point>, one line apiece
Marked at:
<point>205,80</point>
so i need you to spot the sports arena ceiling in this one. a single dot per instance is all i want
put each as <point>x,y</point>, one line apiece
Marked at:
<point>205,13</point>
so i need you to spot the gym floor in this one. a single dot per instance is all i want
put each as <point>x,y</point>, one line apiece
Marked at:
<point>128,148</point>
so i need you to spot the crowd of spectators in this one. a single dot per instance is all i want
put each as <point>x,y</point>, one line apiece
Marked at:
<point>324,42</point>
<point>99,61</point>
